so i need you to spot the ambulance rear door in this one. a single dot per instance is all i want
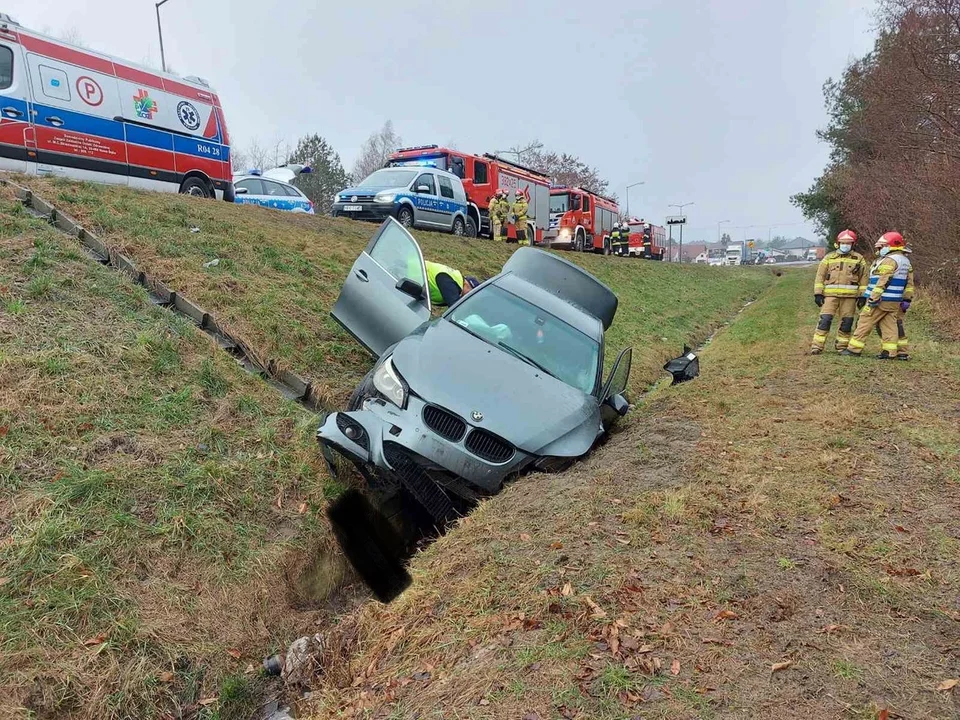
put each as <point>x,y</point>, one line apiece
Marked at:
<point>74,108</point>
<point>16,131</point>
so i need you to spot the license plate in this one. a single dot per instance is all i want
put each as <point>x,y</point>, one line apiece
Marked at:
<point>353,208</point>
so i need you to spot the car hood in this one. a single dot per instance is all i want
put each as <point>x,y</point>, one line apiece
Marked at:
<point>449,367</point>
<point>371,190</point>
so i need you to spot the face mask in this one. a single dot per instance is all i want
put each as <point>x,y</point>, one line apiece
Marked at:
<point>884,251</point>
<point>845,248</point>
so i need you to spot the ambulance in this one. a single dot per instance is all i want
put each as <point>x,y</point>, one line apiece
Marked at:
<point>72,112</point>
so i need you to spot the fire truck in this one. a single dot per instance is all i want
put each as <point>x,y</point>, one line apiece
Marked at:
<point>482,175</point>
<point>581,220</point>
<point>643,232</point>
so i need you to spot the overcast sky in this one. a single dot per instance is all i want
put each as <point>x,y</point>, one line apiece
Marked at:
<point>714,102</point>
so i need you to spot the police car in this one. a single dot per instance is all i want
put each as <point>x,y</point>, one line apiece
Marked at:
<point>273,189</point>
<point>423,197</point>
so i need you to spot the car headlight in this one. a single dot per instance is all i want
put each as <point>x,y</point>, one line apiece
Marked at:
<point>384,197</point>
<point>565,232</point>
<point>337,198</point>
<point>389,383</point>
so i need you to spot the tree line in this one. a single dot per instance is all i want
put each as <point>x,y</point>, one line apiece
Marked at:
<point>894,137</point>
<point>328,175</point>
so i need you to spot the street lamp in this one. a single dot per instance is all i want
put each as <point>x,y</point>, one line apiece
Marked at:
<point>163,61</point>
<point>681,206</point>
<point>722,222</point>
<point>642,182</point>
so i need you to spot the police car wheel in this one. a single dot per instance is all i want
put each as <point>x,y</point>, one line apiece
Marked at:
<point>195,187</point>
<point>405,217</point>
<point>458,227</point>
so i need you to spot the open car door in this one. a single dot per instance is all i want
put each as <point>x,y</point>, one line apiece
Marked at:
<point>613,402</point>
<point>385,296</point>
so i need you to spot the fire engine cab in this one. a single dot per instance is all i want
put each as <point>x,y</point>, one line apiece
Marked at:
<point>482,175</point>
<point>581,220</point>
<point>646,240</point>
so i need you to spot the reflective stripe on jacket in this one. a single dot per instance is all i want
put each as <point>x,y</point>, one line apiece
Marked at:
<point>841,275</point>
<point>520,213</point>
<point>434,269</point>
<point>891,279</point>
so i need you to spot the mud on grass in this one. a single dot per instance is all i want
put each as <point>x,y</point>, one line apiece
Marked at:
<point>776,539</point>
<point>153,497</point>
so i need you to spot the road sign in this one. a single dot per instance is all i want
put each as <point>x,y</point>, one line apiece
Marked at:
<point>676,220</point>
<point>750,244</point>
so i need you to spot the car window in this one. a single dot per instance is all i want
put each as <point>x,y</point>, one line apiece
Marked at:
<point>6,67</point>
<point>446,187</point>
<point>426,179</point>
<point>479,173</point>
<point>397,253</point>
<point>291,191</point>
<point>499,316</point>
<point>273,189</point>
<point>254,186</point>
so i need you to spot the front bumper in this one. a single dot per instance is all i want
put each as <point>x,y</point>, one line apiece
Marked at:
<point>389,432</point>
<point>369,211</point>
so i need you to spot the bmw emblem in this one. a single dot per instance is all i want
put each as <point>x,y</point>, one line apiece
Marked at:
<point>353,199</point>
<point>477,416</point>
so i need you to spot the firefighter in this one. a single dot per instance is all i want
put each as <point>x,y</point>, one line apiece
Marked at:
<point>625,237</point>
<point>889,293</point>
<point>498,208</point>
<point>519,212</point>
<point>447,285</point>
<point>616,244</point>
<point>841,280</point>
<point>647,239</point>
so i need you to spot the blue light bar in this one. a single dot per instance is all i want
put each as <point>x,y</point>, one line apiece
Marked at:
<point>254,171</point>
<point>306,170</point>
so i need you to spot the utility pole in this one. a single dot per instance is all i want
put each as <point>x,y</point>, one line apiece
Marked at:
<point>163,60</point>
<point>642,182</point>
<point>681,206</point>
<point>722,222</point>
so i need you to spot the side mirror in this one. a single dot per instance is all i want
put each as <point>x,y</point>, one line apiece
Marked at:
<point>410,287</point>
<point>683,368</point>
<point>423,188</point>
<point>619,403</point>
<point>241,191</point>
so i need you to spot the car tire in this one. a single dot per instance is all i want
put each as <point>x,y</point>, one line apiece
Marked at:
<point>471,231</point>
<point>405,217</point>
<point>196,187</point>
<point>459,229</point>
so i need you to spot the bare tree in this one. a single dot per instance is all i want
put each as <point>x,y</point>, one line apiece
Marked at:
<point>72,35</point>
<point>561,168</point>
<point>375,151</point>
<point>261,156</point>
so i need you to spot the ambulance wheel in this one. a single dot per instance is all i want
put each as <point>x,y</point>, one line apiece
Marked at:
<point>405,217</point>
<point>459,229</point>
<point>195,187</point>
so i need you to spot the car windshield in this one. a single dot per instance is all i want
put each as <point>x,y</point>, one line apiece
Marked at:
<point>531,334</point>
<point>560,203</point>
<point>389,178</point>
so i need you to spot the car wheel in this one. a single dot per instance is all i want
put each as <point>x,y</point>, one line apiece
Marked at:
<point>405,217</point>
<point>195,187</point>
<point>471,228</point>
<point>458,227</point>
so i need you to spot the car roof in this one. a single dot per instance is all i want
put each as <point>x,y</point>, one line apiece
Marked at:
<point>574,316</point>
<point>237,178</point>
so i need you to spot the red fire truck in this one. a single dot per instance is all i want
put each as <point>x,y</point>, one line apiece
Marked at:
<point>581,220</point>
<point>482,175</point>
<point>643,232</point>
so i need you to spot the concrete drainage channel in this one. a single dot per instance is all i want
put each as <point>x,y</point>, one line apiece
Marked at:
<point>287,383</point>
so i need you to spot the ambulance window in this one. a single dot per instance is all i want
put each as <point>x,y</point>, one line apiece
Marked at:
<point>6,67</point>
<point>252,185</point>
<point>446,187</point>
<point>479,173</point>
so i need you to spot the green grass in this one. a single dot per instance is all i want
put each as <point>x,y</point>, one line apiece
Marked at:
<point>139,473</point>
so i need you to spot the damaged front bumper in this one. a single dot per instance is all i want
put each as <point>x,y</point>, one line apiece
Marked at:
<point>387,439</point>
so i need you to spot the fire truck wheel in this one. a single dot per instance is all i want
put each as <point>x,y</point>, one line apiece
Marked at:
<point>405,217</point>
<point>606,247</point>
<point>578,243</point>
<point>458,227</point>
<point>471,231</point>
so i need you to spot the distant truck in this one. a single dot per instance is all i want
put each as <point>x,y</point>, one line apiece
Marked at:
<point>816,253</point>
<point>482,175</point>
<point>581,220</point>
<point>736,254</point>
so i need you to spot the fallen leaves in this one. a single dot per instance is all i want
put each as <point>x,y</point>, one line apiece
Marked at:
<point>234,653</point>
<point>95,640</point>
<point>725,615</point>
<point>596,612</point>
<point>566,590</point>
<point>778,666</point>
<point>948,685</point>
<point>675,667</point>
<point>166,676</point>
<point>901,572</point>
<point>525,537</point>
<point>556,546</point>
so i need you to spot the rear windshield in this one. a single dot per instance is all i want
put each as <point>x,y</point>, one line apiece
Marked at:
<point>510,322</point>
<point>389,178</point>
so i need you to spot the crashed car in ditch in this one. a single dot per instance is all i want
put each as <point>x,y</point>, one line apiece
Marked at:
<point>508,379</point>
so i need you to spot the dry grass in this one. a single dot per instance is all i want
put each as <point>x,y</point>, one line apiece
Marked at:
<point>781,509</point>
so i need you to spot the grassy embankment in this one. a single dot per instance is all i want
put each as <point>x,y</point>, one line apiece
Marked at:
<point>157,503</point>
<point>776,539</point>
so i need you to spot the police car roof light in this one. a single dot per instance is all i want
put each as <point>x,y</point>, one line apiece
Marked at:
<point>306,170</point>
<point>254,171</point>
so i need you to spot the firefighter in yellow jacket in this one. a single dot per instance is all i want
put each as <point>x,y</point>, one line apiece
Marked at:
<point>498,209</point>
<point>888,295</point>
<point>519,212</point>
<point>838,290</point>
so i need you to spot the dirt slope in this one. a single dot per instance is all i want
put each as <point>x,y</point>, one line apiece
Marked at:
<point>780,538</point>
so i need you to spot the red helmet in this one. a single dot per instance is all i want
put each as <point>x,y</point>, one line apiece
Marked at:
<point>847,236</point>
<point>894,240</point>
